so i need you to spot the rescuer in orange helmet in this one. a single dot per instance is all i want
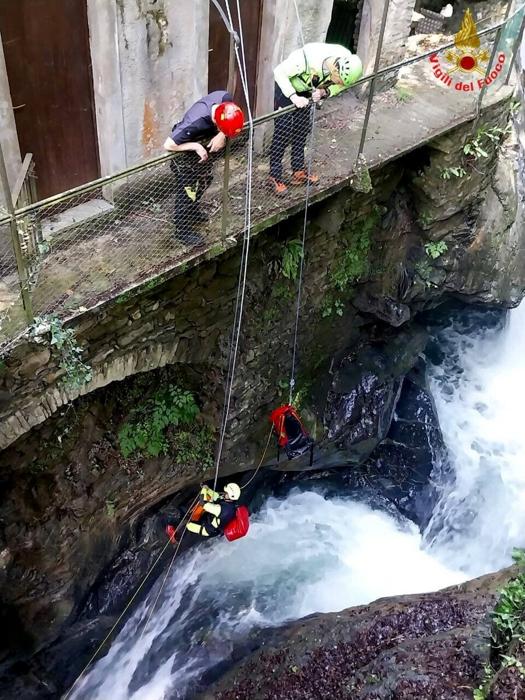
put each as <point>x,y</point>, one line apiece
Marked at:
<point>214,117</point>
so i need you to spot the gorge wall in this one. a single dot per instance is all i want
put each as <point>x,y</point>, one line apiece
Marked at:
<point>436,224</point>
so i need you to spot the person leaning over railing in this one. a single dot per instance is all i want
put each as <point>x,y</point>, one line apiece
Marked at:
<point>315,72</point>
<point>213,117</point>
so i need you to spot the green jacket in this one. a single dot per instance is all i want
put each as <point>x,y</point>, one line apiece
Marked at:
<point>295,73</point>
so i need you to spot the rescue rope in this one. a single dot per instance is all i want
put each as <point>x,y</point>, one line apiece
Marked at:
<point>241,289</point>
<point>299,22</point>
<point>153,607</point>
<point>227,24</point>
<point>260,462</point>
<point>301,266</point>
<point>130,602</point>
<point>305,223</point>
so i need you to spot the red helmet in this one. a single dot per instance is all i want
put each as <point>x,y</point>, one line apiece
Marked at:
<point>229,119</point>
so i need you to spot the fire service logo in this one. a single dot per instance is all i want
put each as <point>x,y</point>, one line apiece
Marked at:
<point>465,66</point>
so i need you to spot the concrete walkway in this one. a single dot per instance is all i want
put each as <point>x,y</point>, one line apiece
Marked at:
<point>89,265</point>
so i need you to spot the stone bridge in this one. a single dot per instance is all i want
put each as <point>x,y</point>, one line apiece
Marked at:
<point>184,314</point>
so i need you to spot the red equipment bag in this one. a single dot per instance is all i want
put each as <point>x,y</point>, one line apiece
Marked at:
<point>278,419</point>
<point>291,434</point>
<point>239,526</point>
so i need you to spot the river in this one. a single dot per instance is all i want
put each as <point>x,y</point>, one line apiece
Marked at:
<point>318,549</point>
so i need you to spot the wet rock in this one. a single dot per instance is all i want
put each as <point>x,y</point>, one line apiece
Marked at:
<point>413,445</point>
<point>365,391</point>
<point>422,646</point>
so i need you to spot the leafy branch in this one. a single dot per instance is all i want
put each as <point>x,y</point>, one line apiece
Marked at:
<point>65,345</point>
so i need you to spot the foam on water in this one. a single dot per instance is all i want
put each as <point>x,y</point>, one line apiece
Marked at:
<point>305,553</point>
<point>309,553</point>
<point>479,391</point>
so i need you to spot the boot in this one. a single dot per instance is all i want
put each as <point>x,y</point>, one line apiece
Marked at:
<point>199,217</point>
<point>278,187</point>
<point>300,177</point>
<point>189,237</point>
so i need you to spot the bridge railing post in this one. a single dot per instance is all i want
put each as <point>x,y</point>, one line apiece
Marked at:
<point>517,45</point>
<point>23,277</point>
<point>373,81</point>
<point>489,65</point>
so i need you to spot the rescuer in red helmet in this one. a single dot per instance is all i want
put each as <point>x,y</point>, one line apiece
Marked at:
<point>214,117</point>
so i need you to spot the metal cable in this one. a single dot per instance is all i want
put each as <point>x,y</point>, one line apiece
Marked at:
<point>246,247</point>
<point>130,602</point>
<point>301,267</point>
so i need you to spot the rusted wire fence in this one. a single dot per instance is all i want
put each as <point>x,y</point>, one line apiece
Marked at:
<point>97,241</point>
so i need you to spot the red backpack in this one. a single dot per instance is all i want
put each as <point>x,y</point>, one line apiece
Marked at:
<point>239,526</point>
<point>290,432</point>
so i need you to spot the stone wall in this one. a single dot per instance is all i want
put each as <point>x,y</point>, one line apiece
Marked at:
<point>367,272</point>
<point>187,319</point>
<point>8,139</point>
<point>150,62</point>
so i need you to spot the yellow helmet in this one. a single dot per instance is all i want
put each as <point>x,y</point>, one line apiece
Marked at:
<point>232,491</point>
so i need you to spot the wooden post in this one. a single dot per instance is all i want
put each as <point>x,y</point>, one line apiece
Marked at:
<point>373,81</point>
<point>19,257</point>
<point>489,66</point>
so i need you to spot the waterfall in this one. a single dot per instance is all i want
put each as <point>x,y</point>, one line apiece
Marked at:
<point>479,390</point>
<point>310,551</point>
<point>305,553</point>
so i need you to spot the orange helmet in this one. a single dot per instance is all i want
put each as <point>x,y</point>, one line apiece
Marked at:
<point>229,119</point>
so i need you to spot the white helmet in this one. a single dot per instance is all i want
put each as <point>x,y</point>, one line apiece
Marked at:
<point>232,491</point>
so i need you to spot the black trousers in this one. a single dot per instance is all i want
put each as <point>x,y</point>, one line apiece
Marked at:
<point>290,129</point>
<point>192,179</point>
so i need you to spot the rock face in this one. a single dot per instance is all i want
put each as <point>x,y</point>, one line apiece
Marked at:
<point>421,646</point>
<point>373,261</point>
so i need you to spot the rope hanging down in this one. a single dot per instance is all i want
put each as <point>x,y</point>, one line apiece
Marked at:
<point>130,602</point>
<point>301,267</point>
<point>241,289</point>
<point>305,223</point>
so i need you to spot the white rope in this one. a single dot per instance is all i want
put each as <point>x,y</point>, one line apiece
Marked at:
<point>299,22</point>
<point>246,247</point>
<point>305,225</point>
<point>301,267</point>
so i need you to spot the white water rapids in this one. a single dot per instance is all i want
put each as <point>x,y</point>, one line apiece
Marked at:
<point>309,552</point>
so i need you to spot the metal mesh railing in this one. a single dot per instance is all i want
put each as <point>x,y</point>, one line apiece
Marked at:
<point>98,241</point>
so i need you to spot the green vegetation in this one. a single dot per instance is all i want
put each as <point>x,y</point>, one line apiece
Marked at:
<point>193,446</point>
<point>485,136</point>
<point>302,388</point>
<point>403,94</point>
<point>145,431</point>
<point>351,263</point>
<point>331,306</point>
<point>424,270</point>
<point>291,259</point>
<point>216,249</point>
<point>424,219</point>
<point>435,249</point>
<point>64,344</point>
<point>508,629</point>
<point>515,107</point>
<point>110,508</point>
<point>448,173</point>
